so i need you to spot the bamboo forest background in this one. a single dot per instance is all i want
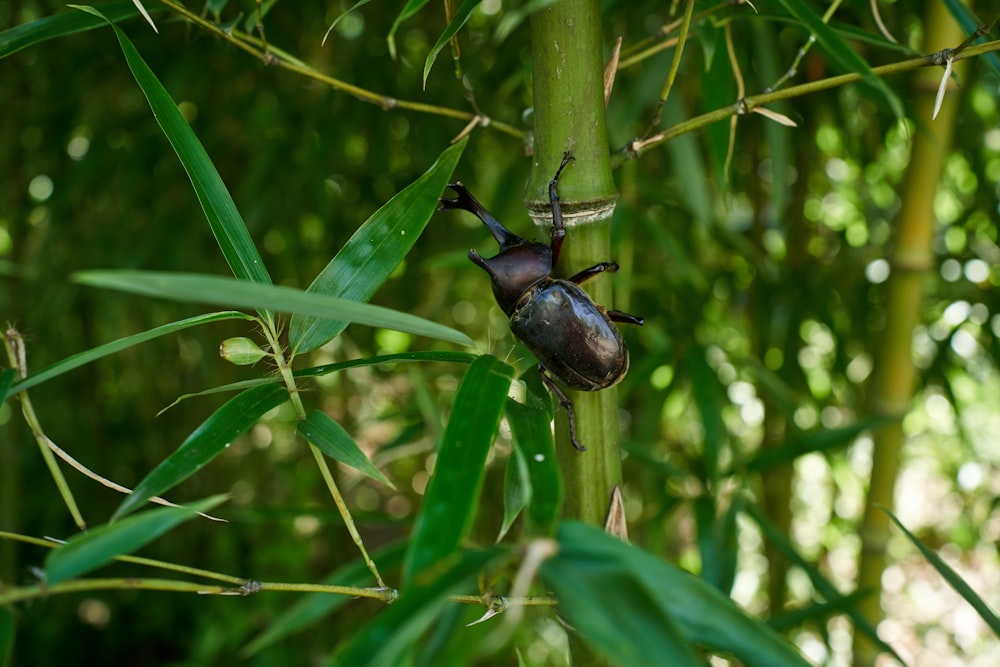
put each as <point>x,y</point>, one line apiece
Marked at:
<point>817,275</point>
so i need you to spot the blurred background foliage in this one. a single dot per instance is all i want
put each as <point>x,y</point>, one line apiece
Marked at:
<point>761,276</point>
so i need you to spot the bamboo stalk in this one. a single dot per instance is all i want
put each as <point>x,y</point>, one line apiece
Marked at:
<point>893,378</point>
<point>569,116</point>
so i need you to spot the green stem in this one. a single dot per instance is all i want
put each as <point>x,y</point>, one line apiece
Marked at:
<point>569,116</point>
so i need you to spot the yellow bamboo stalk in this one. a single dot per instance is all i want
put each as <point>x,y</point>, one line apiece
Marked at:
<point>891,387</point>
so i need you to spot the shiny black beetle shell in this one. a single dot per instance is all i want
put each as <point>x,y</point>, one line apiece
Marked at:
<point>571,336</point>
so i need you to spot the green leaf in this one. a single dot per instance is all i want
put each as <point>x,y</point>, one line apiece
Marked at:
<point>705,386</point>
<point>841,51</point>
<point>397,628</point>
<point>461,16</point>
<point>818,441</point>
<point>227,225</point>
<point>330,437</point>
<point>533,442</point>
<point>101,351</point>
<point>359,3</point>
<point>206,442</point>
<point>820,583</point>
<point>51,27</point>
<point>453,491</point>
<point>516,490</point>
<point>310,609</point>
<point>99,546</point>
<point>6,381</point>
<point>952,577</point>
<point>7,632</point>
<point>635,588</point>
<point>515,16</point>
<point>197,288</point>
<point>374,251</point>
<point>411,8</point>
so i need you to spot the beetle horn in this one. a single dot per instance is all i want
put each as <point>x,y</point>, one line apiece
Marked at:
<point>466,202</point>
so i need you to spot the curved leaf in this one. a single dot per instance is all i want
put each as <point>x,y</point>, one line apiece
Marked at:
<point>227,225</point>
<point>99,546</point>
<point>601,580</point>
<point>101,351</point>
<point>330,437</point>
<point>197,288</point>
<point>206,442</point>
<point>51,27</point>
<point>374,251</point>
<point>453,491</point>
<point>461,16</point>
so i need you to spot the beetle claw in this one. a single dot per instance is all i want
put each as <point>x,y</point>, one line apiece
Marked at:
<point>566,405</point>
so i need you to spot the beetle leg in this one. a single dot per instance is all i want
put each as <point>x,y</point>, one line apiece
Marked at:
<point>566,405</point>
<point>619,316</point>
<point>592,271</point>
<point>558,230</point>
<point>466,202</point>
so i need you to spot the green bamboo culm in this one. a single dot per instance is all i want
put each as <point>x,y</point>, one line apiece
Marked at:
<point>893,378</point>
<point>567,71</point>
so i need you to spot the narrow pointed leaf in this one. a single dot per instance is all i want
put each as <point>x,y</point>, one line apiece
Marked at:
<point>356,5</point>
<point>88,551</point>
<point>604,570</point>
<point>385,640</point>
<point>819,441</point>
<point>952,577</point>
<point>532,433</point>
<point>223,217</point>
<point>411,8</point>
<point>330,437</point>
<point>457,21</point>
<point>101,351</point>
<point>206,442</point>
<point>516,491</point>
<point>453,491</point>
<point>51,27</point>
<point>374,251</point>
<point>707,396</point>
<point>197,288</point>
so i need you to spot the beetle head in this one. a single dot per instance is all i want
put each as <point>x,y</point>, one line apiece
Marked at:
<point>514,270</point>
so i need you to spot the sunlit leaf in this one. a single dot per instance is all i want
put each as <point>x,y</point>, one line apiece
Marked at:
<point>453,491</point>
<point>99,546</point>
<point>206,442</point>
<point>374,251</point>
<point>101,351</point>
<point>330,437</point>
<point>197,288</point>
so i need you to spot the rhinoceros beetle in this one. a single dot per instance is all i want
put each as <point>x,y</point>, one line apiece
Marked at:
<point>572,337</point>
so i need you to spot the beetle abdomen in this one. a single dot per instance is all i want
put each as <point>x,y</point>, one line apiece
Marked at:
<point>570,335</point>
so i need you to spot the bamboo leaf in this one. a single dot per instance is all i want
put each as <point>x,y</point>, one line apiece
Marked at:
<point>593,567</point>
<point>970,23</point>
<point>516,490</point>
<point>205,443</point>
<point>818,441</point>
<point>461,16</point>
<point>99,546</point>
<point>705,386</point>
<point>6,381</point>
<point>953,578</point>
<point>356,5</point>
<point>51,27</point>
<point>841,51</point>
<point>411,8</point>
<point>453,491</point>
<point>374,251</point>
<point>223,217</point>
<point>101,351</point>
<point>197,288</point>
<point>397,628</point>
<point>330,437</point>
<point>532,433</point>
